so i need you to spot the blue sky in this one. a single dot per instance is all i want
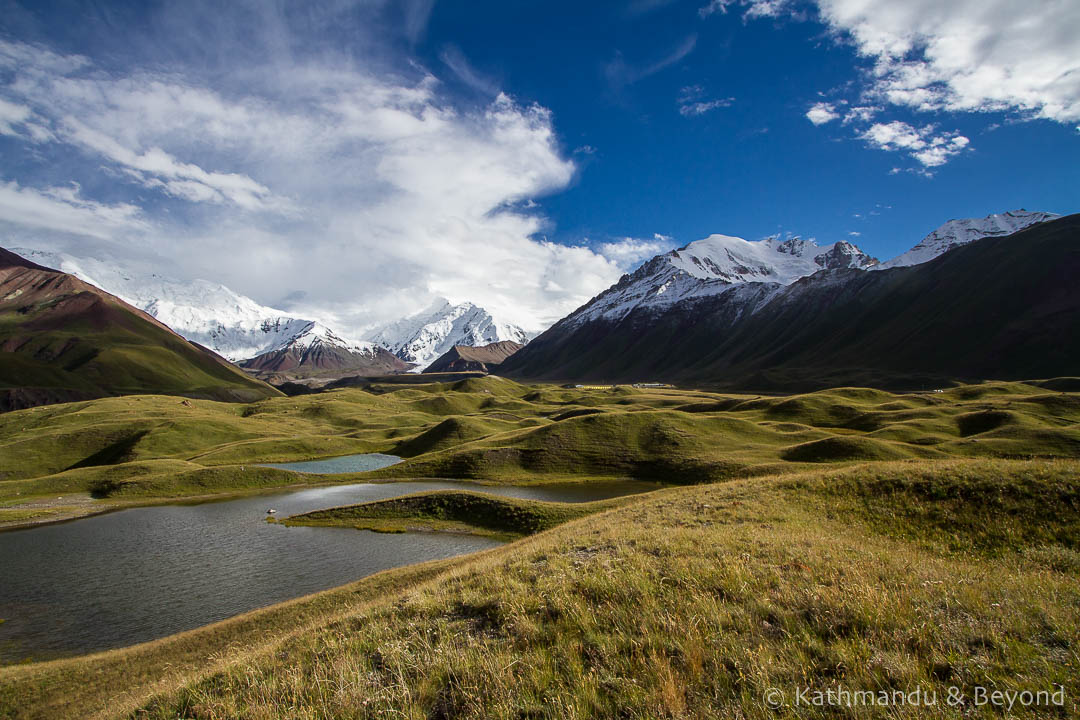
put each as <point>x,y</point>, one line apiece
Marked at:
<point>352,160</point>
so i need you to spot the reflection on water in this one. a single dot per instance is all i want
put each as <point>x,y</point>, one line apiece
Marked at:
<point>135,575</point>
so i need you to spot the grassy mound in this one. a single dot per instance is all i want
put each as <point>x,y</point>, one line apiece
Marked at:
<point>837,449</point>
<point>955,506</point>
<point>455,511</point>
<point>975,423</point>
<point>448,433</point>
<point>495,430</point>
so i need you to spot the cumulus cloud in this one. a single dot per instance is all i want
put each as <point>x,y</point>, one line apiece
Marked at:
<point>928,147</point>
<point>357,195</point>
<point>821,113</point>
<point>968,55</point>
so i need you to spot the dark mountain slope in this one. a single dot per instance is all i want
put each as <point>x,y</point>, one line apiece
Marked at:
<point>62,339</point>
<point>465,358</point>
<point>1003,308</point>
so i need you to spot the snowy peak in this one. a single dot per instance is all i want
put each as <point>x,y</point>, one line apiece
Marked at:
<point>717,263</point>
<point>232,325</point>
<point>316,334</point>
<point>961,232</point>
<point>422,338</point>
<point>843,255</point>
<point>318,350</point>
<point>732,259</point>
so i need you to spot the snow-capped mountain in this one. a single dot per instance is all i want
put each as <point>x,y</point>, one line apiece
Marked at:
<point>421,338</point>
<point>318,348</point>
<point>961,232</point>
<point>1003,307</point>
<point>715,264</point>
<point>232,325</point>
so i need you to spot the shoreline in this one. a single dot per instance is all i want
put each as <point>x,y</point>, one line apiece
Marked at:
<point>232,494</point>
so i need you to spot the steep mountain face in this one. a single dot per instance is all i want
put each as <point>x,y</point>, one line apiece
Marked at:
<point>421,338</point>
<point>318,350</point>
<point>462,358</point>
<point>960,232</point>
<point>210,314</point>
<point>63,339</point>
<point>1003,307</point>
<point>712,266</point>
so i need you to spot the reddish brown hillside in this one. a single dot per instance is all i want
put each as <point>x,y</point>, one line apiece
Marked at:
<point>465,358</point>
<point>63,339</point>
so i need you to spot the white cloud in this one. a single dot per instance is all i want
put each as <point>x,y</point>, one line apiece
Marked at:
<point>369,193</point>
<point>417,14</point>
<point>924,144</point>
<point>861,114</point>
<point>620,74</point>
<point>821,113</point>
<point>715,6</point>
<point>629,252</point>
<point>765,8</point>
<point>693,102</point>
<point>454,59</point>
<point>11,115</point>
<point>754,8</point>
<point>855,233</point>
<point>706,106</point>
<point>968,55</point>
<point>64,210</point>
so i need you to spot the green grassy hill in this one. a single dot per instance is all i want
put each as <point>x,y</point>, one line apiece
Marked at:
<point>455,511</point>
<point>62,339</point>
<point>493,430</point>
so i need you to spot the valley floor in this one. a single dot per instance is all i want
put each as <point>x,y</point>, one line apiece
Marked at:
<point>844,540</point>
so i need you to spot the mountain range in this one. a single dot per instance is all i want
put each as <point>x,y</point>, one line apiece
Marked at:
<point>63,339</point>
<point>758,315</point>
<point>976,298</point>
<point>316,349</point>
<point>270,340</point>
<point>421,338</point>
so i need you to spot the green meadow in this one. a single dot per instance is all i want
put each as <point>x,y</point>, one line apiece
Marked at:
<point>492,430</point>
<point>849,538</point>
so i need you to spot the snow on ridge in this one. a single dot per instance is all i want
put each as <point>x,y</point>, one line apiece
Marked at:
<point>316,333</point>
<point>714,265</point>
<point>960,232</point>
<point>423,337</point>
<point>718,263</point>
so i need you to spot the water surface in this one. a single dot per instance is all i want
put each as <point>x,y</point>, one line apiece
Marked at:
<point>343,464</point>
<point>139,574</point>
